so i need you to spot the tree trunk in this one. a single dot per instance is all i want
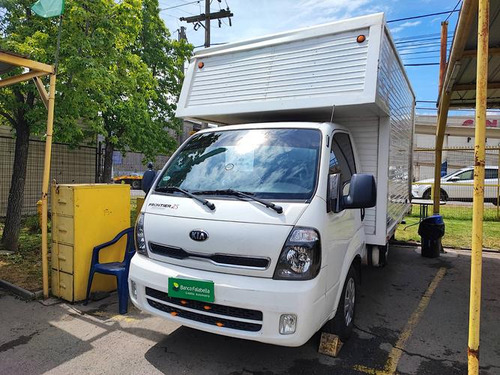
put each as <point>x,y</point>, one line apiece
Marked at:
<point>10,237</point>
<point>108,161</point>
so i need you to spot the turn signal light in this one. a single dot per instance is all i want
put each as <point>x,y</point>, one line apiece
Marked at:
<point>361,38</point>
<point>174,313</point>
<point>219,324</point>
<point>183,302</point>
<point>206,307</point>
<point>201,64</point>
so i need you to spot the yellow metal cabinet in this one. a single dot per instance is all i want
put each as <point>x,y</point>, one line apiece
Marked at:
<point>84,216</point>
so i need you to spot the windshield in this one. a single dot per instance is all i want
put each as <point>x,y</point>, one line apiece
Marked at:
<point>268,163</point>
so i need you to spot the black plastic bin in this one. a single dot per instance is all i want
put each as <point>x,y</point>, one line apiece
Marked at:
<point>431,230</point>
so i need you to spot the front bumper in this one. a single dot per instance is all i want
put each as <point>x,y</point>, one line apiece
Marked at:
<point>305,299</point>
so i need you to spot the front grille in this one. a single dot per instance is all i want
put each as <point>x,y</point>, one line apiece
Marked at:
<point>230,260</point>
<point>242,326</point>
<point>235,312</point>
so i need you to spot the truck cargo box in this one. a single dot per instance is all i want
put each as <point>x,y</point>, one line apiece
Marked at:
<point>347,72</point>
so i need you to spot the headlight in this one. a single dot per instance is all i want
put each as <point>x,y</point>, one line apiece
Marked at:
<point>140,240</point>
<point>300,258</point>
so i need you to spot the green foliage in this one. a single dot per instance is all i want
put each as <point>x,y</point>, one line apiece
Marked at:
<point>32,224</point>
<point>119,72</point>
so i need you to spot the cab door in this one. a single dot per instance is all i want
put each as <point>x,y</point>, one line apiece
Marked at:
<point>344,229</point>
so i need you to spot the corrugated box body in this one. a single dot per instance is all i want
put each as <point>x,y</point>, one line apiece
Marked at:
<point>346,72</point>
<point>301,73</point>
<point>84,216</point>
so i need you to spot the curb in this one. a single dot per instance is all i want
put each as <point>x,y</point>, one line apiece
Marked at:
<point>21,292</point>
<point>410,244</point>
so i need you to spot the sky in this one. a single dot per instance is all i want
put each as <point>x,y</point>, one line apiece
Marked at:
<point>417,40</point>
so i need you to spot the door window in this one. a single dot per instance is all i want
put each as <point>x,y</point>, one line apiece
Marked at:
<point>491,174</point>
<point>467,175</point>
<point>342,160</point>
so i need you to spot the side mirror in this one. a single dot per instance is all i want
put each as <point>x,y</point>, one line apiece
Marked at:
<point>333,192</point>
<point>362,192</point>
<point>454,179</point>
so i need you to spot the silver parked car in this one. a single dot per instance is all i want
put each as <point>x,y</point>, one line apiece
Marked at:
<point>458,186</point>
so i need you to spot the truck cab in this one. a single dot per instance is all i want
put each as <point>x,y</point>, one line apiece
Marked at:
<point>269,215</point>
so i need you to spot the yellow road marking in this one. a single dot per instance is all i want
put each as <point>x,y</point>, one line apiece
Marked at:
<point>395,354</point>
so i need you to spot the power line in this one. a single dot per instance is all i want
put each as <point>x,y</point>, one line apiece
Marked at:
<point>421,57</point>
<point>418,36</point>
<point>422,40</point>
<point>421,45</point>
<point>418,52</point>
<point>422,64</point>
<point>422,16</point>
<point>183,10</point>
<point>180,5</point>
<point>449,15</point>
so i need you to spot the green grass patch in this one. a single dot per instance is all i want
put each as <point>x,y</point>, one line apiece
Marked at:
<point>458,222</point>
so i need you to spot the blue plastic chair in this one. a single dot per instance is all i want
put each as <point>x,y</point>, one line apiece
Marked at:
<point>118,269</point>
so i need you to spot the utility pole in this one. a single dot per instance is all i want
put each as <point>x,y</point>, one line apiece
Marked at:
<point>207,23</point>
<point>206,17</point>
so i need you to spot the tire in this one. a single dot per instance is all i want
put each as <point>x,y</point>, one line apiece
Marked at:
<point>342,323</point>
<point>377,255</point>
<point>136,184</point>
<point>442,196</point>
<point>384,255</point>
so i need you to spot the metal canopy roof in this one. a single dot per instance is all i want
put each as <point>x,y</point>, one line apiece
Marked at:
<point>9,61</point>
<point>460,74</point>
<point>5,66</point>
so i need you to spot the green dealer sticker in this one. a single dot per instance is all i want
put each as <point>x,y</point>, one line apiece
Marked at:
<point>191,289</point>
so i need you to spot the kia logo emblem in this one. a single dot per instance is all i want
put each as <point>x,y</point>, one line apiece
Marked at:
<point>198,235</point>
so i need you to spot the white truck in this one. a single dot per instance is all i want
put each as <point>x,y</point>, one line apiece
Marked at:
<point>258,229</point>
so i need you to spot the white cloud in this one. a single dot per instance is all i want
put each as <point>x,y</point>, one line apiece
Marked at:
<point>405,25</point>
<point>314,12</point>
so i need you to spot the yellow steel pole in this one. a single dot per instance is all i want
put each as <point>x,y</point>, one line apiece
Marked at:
<point>498,186</point>
<point>478,197</point>
<point>441,126</point>
<point>45,187</point>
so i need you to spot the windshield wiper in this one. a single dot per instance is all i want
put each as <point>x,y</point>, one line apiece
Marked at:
<point>238,193</point>
<point>167,189</point>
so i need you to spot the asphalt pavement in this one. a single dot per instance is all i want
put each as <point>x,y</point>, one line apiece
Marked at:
<point>412,318</point>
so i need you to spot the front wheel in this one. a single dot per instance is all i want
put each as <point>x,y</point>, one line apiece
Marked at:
<point>136,184</point>
<point>442,195</point>
<point>343,322</point>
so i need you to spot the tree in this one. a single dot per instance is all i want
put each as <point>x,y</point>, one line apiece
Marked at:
<point>105,85</point>
<point>19,107</point>
<point>148,132</point>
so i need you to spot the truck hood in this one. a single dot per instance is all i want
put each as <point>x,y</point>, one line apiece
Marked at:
<point>244,237</point>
